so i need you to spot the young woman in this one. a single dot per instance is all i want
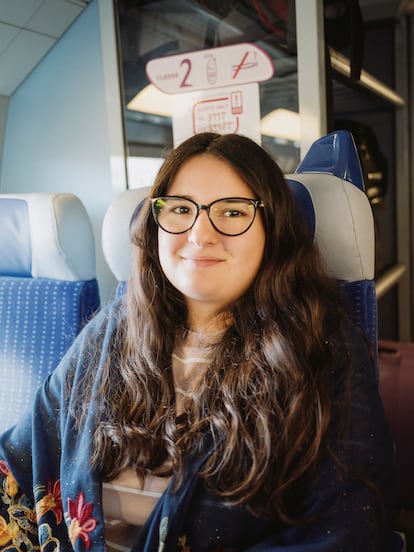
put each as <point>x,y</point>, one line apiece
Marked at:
<point>224,403</point>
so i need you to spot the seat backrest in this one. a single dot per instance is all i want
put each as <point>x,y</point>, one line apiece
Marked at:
<point>329,190</point>
<point>48,289</point>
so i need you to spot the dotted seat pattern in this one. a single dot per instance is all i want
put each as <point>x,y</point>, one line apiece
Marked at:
<point>39,318</point>
<point>360,298</point>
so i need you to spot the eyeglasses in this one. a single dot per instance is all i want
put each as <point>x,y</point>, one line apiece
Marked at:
<point>230,216</point>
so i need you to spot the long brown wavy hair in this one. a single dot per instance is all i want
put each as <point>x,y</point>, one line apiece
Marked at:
<point>266,397</point>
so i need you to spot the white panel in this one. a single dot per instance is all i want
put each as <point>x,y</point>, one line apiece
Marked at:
<point>112,91</point>
<point>23,54</point>
<point>53,17</point>
<point>311,71</point>
<point>7,33</point>
<point>18,12</point>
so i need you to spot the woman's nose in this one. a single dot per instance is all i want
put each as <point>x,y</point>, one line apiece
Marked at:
<point>202,233</point>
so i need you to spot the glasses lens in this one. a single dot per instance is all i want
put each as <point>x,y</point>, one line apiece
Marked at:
<point>174,215</point>
<point>232,216</point>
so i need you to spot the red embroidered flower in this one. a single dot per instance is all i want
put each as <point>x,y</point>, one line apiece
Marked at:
<point>81,518</point>
<point>52,501</point>
<point>4,468</point>
<point>11,486</point>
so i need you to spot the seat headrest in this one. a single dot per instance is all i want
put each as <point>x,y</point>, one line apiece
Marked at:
<point>46,235</point>
<point>329,190</point>
<point>116,242</point>
<point>340,218</point>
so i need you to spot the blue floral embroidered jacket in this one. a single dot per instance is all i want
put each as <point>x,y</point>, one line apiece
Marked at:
<point>51,499</point>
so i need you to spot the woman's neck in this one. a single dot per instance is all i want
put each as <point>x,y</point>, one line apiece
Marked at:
<point>206,322</point>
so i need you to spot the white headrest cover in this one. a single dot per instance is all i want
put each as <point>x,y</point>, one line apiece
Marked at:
<point>116,243</point>
<point>344,230</point>
<point>62,240</point>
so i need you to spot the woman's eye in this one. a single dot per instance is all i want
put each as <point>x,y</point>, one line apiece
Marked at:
<point>181,210</point>
<point>232,213</point>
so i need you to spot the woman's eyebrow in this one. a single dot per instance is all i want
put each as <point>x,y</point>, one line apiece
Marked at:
<point>183,196</point>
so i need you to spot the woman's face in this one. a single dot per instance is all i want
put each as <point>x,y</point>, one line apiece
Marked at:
<point>210,269</point>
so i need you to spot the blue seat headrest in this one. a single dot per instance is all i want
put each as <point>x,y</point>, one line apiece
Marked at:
<point>336,154</point>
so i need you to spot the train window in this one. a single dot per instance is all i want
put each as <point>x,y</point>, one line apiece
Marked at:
<point>152,29</point>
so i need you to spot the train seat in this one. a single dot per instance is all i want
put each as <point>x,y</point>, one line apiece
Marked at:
<point>330,175</point>
<point>48,289</point>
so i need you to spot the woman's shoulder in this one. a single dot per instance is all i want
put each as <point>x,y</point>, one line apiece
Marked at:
<point>111,310</point>
<point>105,320</point>
<point>93,341</point>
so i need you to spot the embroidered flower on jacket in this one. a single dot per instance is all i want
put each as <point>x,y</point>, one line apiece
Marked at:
<point>48,541</point>
<point>22,543</point>
<point>81,520</point>
<point>24,516</point>
<point>10,485</point>
<point>51,501</point>
<point>18,524</point>
<point>7,531</point>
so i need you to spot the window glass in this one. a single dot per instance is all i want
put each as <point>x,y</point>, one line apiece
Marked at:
<point>153,29</point>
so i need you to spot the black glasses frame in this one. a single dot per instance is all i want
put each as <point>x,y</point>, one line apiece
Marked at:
<point>200,207</point>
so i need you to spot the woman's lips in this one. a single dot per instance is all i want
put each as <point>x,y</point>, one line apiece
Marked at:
<point>203,261</point>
